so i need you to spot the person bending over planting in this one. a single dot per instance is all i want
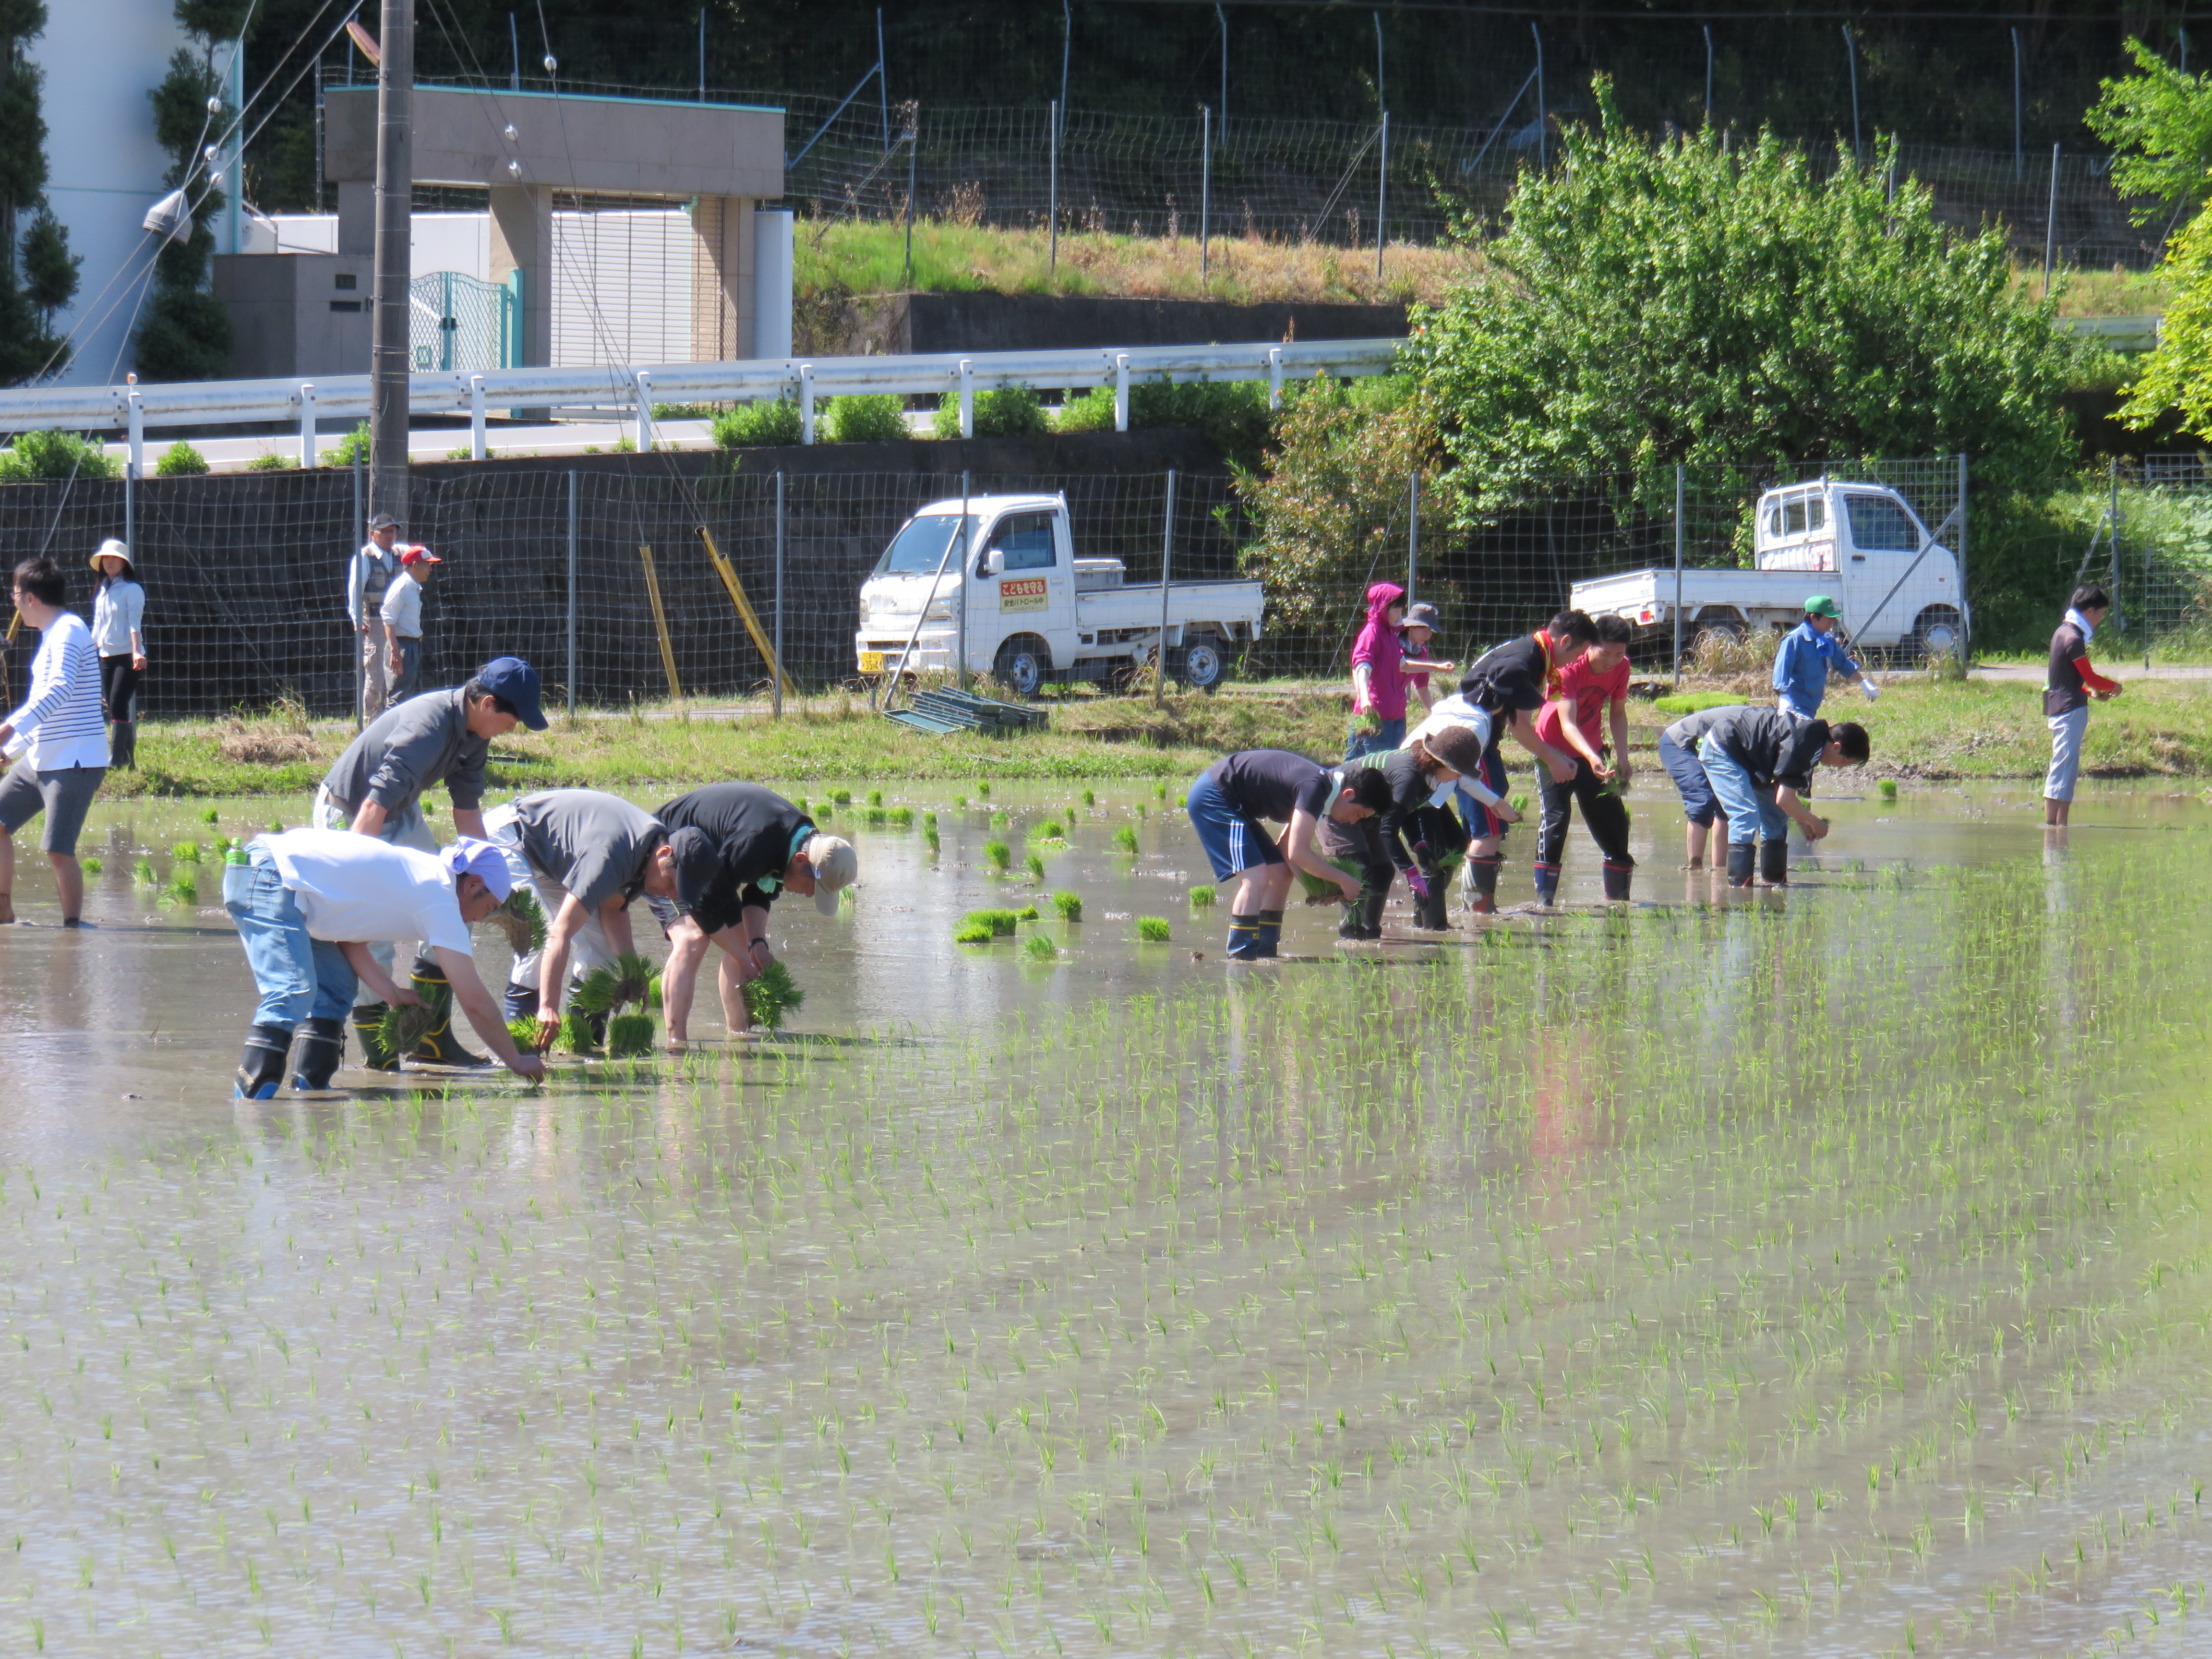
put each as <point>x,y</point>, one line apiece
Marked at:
<point>1422,776</point>
<point>755,846</point>
<point>1677,753</point>
<point>1596,683</point>
<point>1513,681</point>
<point>584,855</point>
<point>1228,805</point>
<point>1761,764</point>
<point>308,903</point>
<point>1482,809</point>
<point>2068,684</point>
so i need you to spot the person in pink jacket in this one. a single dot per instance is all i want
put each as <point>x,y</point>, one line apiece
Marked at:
<point>1378,675</point>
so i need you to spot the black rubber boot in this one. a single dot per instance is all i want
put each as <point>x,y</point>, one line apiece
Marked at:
<point>1362,916</point>
<point>369,1026</point>
<point>1547,884</point>
<point>520,1001</point>
<point>1618,875</point>
<point>1485,874</point>
<point>1243,939</point>
<point>322,1051</point>
<point>262,1067</point>
<point>123,745</point>
<point>1431,912</point>
<point>1774,863</point>
<point>1270,937</point>
<point>1742,855</point>
<point>438,1047</point>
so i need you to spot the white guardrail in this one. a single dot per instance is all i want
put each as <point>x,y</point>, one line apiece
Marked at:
<point>132,409</point>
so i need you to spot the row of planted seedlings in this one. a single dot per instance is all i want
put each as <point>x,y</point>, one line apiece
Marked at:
<point>1663,1286</point>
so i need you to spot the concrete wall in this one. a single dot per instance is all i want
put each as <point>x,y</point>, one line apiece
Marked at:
<point>101,57</point>
<point>901,323</point>
<point>296,314</point>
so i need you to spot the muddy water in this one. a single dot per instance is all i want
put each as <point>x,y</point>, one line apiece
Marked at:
<point>1826,1272</point>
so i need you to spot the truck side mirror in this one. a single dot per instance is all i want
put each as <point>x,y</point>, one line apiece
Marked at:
<point>995,561</point>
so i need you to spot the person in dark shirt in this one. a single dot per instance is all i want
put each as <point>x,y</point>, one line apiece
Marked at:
<point>1227,807</point>
<point>757,846</point>
<point>1422,775</point>
<point>2071,682</point>
<point>1512,682</point>
<point>1760,761</point>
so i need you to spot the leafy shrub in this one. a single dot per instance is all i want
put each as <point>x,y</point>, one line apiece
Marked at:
<point>37,455</point>
<point>762,423</point>
<point>1233,415</point>
<point>271,462</point>
<point>1005,411</point>
<point>865,418</point>
<point>353,446</point>
<point>180,461</point>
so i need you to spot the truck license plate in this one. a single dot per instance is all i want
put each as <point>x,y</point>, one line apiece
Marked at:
<point>872,662</point>
<point>1022,593</point>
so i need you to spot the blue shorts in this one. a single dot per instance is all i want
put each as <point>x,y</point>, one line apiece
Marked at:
<point>1699,805</point>
<point>1482,824</point>
<point>1234,840</point>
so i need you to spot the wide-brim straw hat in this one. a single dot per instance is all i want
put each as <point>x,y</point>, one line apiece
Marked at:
<point>112,548</point>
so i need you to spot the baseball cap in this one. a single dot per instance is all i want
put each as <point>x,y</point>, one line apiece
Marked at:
<point>696,866</point>
<point>416,553</point>
<point>837,866</point>
<point>1424,615</point>
<point>514,681</point>
<point>1821,606</point>
<point>471,857</point>
<point>383,521</point>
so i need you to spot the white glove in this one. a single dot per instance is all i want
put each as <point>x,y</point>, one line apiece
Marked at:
<point>1872,691</point>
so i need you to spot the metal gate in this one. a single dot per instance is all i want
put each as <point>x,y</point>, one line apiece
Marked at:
<point>457,322</point>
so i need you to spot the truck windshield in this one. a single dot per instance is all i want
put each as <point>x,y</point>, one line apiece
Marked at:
<point>920,546</point>
<point>1879,524</point>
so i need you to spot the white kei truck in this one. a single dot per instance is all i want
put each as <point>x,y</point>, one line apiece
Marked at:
<point>1861,544</point>
<point>1034,611</point>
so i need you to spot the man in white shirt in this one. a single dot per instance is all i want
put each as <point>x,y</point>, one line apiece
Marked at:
<point>308,902</point>
<point>57,740</point>
<point>403,620</point>
<point>368,577</point>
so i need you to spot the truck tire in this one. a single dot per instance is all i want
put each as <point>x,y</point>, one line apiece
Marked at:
<point>1721,629</point>
<point>1937,631</point>
<point>1022,663</point>
<point>1198,662</point>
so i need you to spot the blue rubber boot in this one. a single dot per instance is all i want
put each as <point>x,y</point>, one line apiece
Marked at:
<point>1547,884</point>
<point>1245,938</point>
<point>1270,934</point>
<point>262,1067</point>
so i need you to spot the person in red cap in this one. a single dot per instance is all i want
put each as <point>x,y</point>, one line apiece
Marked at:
<point>402,619</point>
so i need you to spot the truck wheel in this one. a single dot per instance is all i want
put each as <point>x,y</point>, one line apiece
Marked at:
<point>1720,631</point>
<point>1199,662</point>
<point>1021,663</point>
<point>1939,632</point>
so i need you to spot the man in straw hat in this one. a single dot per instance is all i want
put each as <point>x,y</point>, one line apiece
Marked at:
<point>755,846</point>
<point>308,902</point>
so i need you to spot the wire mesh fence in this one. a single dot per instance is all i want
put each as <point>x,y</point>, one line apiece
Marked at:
<point>613,582</point>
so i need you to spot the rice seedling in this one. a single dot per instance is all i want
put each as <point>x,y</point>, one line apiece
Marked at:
<point>1038,948</point>
<point>772,994</point>
<point>983,790</point>
<point>91,864</point>
<point>1089,798</point>
<point>521,918</point>
<point>276,826</point>
<point>576,1035</point>
<point>1202,898</point>
<point>406,1024</point>
<point>523,1032</point>
<point>1028,913</point>
<point>1318,892</point>
<point>1069,905</point>
<point>1000,924</point>
<point>608,987</point>
<point>1152,930</point>
<point>1887,788</point>
<point>973,933</point>
<point>143,873</point>
<point>629,1036</point>
<point>1051,830</point>
<point>875,798</point>
<point>1034,865</point>
<point>1125,839</point>
<point>843,796</point>
<point>183,888</point>
<point>998,854</point>
<point>185,852</point>
<point>210,815</point>
<point>901,818</point>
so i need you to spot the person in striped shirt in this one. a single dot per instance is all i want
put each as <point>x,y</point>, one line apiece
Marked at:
<point>57,740</point>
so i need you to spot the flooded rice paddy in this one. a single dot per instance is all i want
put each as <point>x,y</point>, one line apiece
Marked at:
<point>1819,1273</point>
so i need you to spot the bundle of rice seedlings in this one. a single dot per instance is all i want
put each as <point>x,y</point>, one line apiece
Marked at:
<point>182,889</point>
<point>1152,930</point>
<point>523,1033</point>
<point>1070,906</point>
<point>973,933</point>
<point>1028,913</point>
<point>522,919</point>
<point>406,1024</point>
<point>1318,892</point>
<point>575,1037</point>
<point>185,852</point>
<point>1041,949</point>
<point>143,873</point>
<point>613,986</point>
<point>1125,838</point>
<point>630,1036</point>
<point>1001,922</point>
<point>1202,898</point>
<point>772,994</point>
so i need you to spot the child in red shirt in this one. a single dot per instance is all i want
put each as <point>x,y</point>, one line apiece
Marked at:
<point>1596,686</point>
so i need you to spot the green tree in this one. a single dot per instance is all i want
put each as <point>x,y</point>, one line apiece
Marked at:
<point>2159,123</point>
<point>184,332</point>
<point>38,275</point>
<point>1685,301</point>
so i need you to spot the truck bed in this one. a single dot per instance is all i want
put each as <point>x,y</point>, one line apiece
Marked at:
<point>1188,602</point>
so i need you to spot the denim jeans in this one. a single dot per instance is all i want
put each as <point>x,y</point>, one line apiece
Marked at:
<point>1751,810</point>
<point>1391,734</point>
<point>297,976</point>
<point>2066,731</point>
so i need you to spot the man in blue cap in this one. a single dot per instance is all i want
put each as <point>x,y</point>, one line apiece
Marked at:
<point>1809,651</point>
<point>376,789</point>
<point>308,903</point>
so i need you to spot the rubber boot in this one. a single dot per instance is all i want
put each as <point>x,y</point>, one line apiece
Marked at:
<point>520,1001</point>
<point>1270,936</point>
<point>1618,875</point>
<point>438,1047</point>
<point>1482,876</point>
<point>262,1067</point>
<point>123,745</point>
<point>1243,939</point>
<point>322,1051</point>
<point>1430,913</point>
<point>1741,853</point>
<point>1774,863</point>
<point>1547,884</point>
<point>1363,916</point>
<point>369,1026</point>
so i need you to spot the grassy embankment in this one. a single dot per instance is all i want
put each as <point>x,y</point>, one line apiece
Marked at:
<point>1923,728</point>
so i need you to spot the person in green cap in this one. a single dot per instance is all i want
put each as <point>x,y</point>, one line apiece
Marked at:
<point>1809,651</point>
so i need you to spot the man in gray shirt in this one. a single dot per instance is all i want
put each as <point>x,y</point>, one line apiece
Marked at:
<point>368,574</point>
<point>586,854</point>
<point>376,789</point>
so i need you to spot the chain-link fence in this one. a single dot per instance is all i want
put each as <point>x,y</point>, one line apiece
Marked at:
<point>613,581</point>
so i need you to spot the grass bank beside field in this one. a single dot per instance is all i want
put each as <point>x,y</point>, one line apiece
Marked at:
<point>1921,728</point>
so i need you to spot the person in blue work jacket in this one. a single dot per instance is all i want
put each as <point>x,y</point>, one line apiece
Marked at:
<point>1809,651</point>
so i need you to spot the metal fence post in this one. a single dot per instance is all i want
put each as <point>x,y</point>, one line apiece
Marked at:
<point>2112,583</point>
<point>912,143</point>
<point>2051,223</point>
<point>779,594</point>
<point>353,676</point>
<point>960,611</point>
<point>572,596</point>
<point>1121,392</point>
<point>1167,560</point>
<point>1413,533</point>
<point>1205,188</point>
<point>1680,471</point>
<point>306,423</point>
<point>1382,195</point>
<point>1052,188</point>
<point>1966,587</point>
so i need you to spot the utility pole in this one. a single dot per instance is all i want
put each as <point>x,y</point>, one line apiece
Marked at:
<point>395,187</point>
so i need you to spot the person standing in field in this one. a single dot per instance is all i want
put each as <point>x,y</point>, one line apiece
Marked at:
<point>1677,753</point>
<point>1512,682</point>
<point>57,737</point>
<point>119,611</point>
<point>403,620</point>
<point>1422,623</point>
<point>1761,764</point>
<point>1808,653</point>
<point>1594,684</point>
<point>1378,675</point>
<point>1229,806</point>
<point>2071,680</point>
<point>368,576</point>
